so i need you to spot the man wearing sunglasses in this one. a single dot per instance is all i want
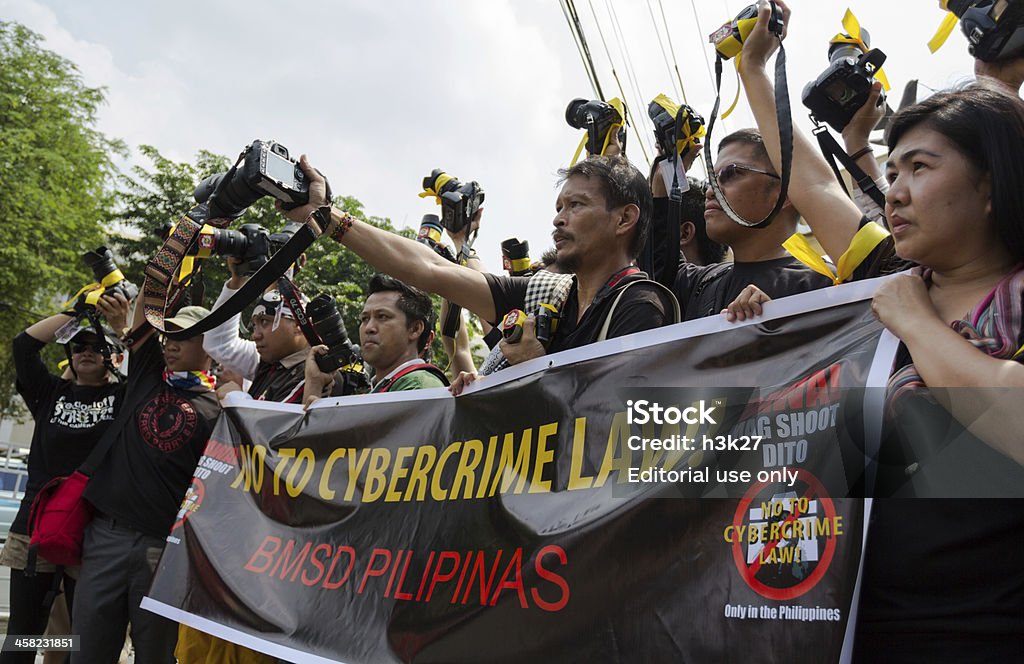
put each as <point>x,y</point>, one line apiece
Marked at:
<point>70,416</point>
<point>751,186</point>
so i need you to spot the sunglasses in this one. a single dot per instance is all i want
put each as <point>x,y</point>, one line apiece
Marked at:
<point>81,348</point>
<point>730,172</point>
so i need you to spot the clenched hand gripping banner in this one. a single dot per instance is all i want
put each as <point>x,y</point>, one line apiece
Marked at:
<point>676,495</point>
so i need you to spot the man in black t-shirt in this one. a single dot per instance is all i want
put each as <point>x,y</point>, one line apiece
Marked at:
<point>603,215</point>
<point>137,490</point>
<point>751,185</point>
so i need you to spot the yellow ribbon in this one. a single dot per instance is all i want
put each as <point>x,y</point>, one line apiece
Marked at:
<point>439,184</point>
<point>615,103</point>
<point>852,36</point>
<point>673,110</point>
<point>188,262</point>
<point>739,86</point>
<point>96,289</point>
<point>945,28</point>
<point>862,244</point>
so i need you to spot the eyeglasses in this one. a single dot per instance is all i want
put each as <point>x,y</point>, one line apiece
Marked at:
<point>81,348</point>
<point>730,172</point>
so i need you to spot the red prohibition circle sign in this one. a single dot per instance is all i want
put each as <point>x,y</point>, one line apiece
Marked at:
<point>815,491</point>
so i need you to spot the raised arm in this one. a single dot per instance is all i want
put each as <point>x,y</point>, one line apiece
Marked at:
<point>405,259</point>
<point>813,188</point>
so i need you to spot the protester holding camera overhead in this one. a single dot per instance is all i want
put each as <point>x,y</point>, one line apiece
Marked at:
<point>603,212</point>
<point>159,434</point>
<point>460,205</point>
<point>70,417</point>
<point>942,579</point>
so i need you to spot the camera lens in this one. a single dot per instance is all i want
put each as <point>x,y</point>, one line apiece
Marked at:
<point>326,319</point>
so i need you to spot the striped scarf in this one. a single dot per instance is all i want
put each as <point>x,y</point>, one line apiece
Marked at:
<point>193,381</point>
<point>993,327</point>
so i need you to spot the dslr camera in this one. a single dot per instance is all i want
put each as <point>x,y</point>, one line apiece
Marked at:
<point>251,243</point>
<point>101,262</point>
<point>728,39</point>
<point>836,95</point>
<point>665,125</point>
<point>459,201</point>
<point>994,28</point>
<point>596,117</point>
<point>546,318</point>
<point>263,169</point>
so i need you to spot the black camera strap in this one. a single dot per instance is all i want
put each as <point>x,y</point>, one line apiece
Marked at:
<point>785,122</point>
<point>831,149</point>
<point>159,297</point>
<point>291,296</point>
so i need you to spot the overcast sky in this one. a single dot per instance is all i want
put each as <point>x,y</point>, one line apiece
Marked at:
<point>379,94</point>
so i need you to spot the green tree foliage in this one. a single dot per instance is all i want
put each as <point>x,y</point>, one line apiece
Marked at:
<point>56,177</point>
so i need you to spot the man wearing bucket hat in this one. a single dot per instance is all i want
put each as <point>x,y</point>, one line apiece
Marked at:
<point>137,490</point>
<point>70,416</point>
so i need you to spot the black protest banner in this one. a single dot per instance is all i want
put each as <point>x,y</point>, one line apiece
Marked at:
<point>681,494</point>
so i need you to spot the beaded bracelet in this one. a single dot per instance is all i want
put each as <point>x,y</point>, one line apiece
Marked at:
<point>346,223</point>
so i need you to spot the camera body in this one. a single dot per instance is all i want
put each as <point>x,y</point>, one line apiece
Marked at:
<point>994,32</point>
<point>459,201</point>
<point>515,257</point>
<point>841,90</point>
<point>251,243</point>
<point>545,319</point>
<point>101,262</point>
<point>326,319</point>
<point>264,169</point>
<point>728,39</point>
<point>665,125</point>
<point>596,117</point>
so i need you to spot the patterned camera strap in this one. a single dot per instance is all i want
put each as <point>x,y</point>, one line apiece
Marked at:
<point>159,298</point>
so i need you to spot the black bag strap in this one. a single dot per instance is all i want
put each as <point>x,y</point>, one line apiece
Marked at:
<point>831,149</point>
<point>95,458</point>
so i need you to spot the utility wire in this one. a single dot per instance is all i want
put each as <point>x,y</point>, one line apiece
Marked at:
<point>631,77</point>
<point>615,75</point>
<point>664,55</point>
<point>675,60</point>
<point>569,9</point>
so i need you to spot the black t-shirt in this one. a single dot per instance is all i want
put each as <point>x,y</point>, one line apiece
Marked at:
<point>643,307</point>
<point>69,419</point>
<point>150,465</point>
<point>943,578</point>
<point>706,290</point>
